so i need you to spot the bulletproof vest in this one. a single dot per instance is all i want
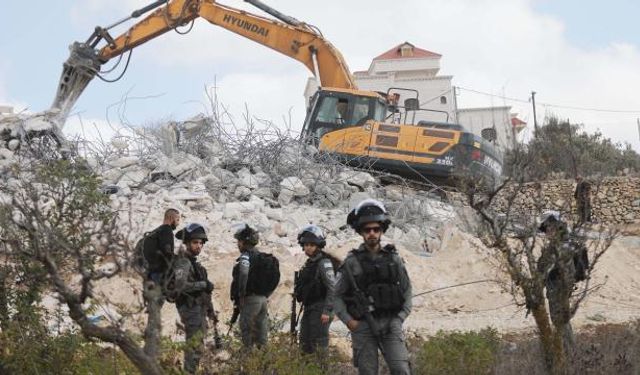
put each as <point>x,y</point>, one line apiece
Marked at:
<point>199,274</point>
<point>310,287</point>
<point>380,280</point>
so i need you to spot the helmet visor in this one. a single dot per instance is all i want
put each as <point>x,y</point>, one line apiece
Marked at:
<point>193,227</point>
<point>314,229</point>
<point>369,203</point>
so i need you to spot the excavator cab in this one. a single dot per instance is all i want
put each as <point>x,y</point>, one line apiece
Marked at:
<point>337,109</point>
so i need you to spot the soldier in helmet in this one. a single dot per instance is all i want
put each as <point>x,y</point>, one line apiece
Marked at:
<point>373,294</point>
<point>191,290</point>
<point>315,289</point>
<point>563,262</point>
<point>253,282</point>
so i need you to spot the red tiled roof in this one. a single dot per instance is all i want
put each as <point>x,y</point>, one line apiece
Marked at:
<point>516,121</point>
<point>394,53</point>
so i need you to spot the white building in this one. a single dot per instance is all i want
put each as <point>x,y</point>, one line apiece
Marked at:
<point>6,109</point>
<point>409,67</point>
<point>506,124</point>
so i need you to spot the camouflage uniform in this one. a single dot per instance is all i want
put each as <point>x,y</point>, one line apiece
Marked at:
<point>557,264</point>
<point>253,307</point>
<point>364,342</point>
<point>316,292</point>
<point>191,283</point>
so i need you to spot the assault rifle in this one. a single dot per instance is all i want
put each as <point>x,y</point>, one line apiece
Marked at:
<point>364,305</point>
<point>213,316</point>
<point>234,318</point>
<point>293,325</point>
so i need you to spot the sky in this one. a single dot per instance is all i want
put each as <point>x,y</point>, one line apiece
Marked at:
<point>580,57</point>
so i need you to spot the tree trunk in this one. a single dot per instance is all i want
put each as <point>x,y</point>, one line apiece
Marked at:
<point>153,332</point>
<point>144,363</point>
<point>4,299</point>
<point>551,341</point>
<point>113,334</point>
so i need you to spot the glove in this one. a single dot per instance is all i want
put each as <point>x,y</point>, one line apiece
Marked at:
<point>208,287</point>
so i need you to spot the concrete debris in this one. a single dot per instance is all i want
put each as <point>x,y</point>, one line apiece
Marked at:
<point>248,180</point>
<point>123,162</point>
<point>295,186</point>
<point>362,180</point>
<point>143,182</point>
<point>242,193</point>
<point>13,144</point>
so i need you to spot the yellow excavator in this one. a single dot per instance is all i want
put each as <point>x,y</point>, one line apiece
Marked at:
<point>361,128</point>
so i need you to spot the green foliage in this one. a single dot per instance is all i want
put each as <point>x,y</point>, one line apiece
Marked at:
<point>280,357</point>
<point>459,353</point>
<point>564,148</point>
<point>28,347</point>
<point>63,210</point>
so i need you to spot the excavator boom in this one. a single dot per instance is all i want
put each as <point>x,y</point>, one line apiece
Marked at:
<point>287,35</point>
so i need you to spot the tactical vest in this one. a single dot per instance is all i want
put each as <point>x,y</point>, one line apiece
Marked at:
<point>380,280</point>
<point>310,288</point>
<point>199,274</point>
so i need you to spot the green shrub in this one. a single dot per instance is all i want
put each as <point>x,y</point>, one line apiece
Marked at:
<point>458,353</point>
<point>280,357</point>
<point>33,351</point>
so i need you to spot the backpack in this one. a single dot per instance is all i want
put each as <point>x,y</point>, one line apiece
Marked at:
<point>147,255</point>
<point>140,262</point>
<point>264,274</point>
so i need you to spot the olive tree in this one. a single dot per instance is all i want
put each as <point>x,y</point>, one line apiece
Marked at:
<point>57,230</point>
<point>505,217</point>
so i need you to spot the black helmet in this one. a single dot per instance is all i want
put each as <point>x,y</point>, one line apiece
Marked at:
<point>312,234</point>
<point>193,231</point>
<point>547,218</point>
<point>245,233</point>
<point>368,211</point>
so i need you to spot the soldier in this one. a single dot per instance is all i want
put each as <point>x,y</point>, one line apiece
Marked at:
<point>159,248</point>
<point>253,282</point>
<point>192,290</point>
<point>315,290</point>
<point>158,254</point>
<point>582,195</point>
<point>558,263</point>
<point>373,294</point>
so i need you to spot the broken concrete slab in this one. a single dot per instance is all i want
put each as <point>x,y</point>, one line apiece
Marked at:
<point>360,179</point>
<point>13,144</point>
<point>246,179</point>
<point>134,175</point>
<point>295,186</point>
<point>242,193</point>
<point>123,162</point>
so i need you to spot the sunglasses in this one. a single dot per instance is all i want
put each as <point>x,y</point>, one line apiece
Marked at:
<point>372,229</point>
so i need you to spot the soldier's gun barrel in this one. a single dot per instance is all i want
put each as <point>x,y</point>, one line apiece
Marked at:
<point>363,304</point>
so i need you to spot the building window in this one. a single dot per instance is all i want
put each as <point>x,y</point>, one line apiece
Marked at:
<point>406,51</point>
<point>443,100</point>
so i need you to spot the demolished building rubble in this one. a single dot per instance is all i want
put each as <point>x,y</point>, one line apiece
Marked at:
<point>226,184</point>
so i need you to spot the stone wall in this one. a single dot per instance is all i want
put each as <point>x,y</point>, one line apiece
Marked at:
<point>615,200</point>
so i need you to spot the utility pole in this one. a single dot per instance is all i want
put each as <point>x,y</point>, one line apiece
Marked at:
<point>535,121</point>
<point>638,121</point>
<point>455,104</point>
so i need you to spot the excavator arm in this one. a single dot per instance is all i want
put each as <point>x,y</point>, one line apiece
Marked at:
<point>285,35</point>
